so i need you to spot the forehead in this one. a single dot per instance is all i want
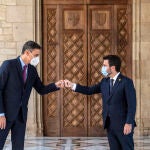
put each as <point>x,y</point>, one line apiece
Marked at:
<point>106,62</point>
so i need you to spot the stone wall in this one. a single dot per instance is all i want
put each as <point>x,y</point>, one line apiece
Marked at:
<point>16,26</point>
<point>20,21</point>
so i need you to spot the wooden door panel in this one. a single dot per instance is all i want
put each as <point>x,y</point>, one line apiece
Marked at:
<point>123,36</point>
<point>92,2</point>
<point>100,43</point>
<point>74,105</point>
<point>109,29</point>
<point>51,104</point>
<point>109,2</point>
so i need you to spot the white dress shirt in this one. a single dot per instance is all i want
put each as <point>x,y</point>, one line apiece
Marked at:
<point>115,78</point>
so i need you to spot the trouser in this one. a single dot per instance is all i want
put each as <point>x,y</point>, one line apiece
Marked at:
<point>17,128</point>
<point>117,140</point>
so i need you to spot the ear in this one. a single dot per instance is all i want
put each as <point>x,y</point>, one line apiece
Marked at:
<point>113,68</point>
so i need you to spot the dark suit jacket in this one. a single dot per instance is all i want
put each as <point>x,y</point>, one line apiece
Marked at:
<point>13,93</point>
<point>120,105</point>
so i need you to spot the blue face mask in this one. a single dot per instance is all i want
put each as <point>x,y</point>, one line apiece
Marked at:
<point>103,71</point>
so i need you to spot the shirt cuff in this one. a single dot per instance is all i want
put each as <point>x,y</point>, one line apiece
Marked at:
<point>74,86</point>
<point>2,114</point>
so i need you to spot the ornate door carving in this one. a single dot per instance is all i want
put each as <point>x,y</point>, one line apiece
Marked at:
<point>100,43</point>
<point>108,33</point>
<point>74,105</point>
<point>76,37</point>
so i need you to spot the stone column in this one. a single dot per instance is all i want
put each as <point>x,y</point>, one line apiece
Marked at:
<point>141,59</point>
<point>136,59</point>
<point>145,67</point>
<point>35,122</point>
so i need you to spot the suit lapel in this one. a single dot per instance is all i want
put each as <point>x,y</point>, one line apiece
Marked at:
<point>19,69</point>
<point>114,89</point>
<point>107,86</point>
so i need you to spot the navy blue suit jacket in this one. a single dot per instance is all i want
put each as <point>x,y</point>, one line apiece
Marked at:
<point>120,104</point>
<point>13,93</point>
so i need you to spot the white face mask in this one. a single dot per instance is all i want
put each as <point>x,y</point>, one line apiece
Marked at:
<point>104,71</point>
<point>35,61</point>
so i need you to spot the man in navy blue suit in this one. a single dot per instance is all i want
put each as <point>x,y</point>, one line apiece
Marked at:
<point>17,77</point>
<point>119,103</point>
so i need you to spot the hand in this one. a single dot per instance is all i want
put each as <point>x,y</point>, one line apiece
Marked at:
<point>68,83</point>
<point>127,129</point>
<point>2,122</point>
<point>60,84</point>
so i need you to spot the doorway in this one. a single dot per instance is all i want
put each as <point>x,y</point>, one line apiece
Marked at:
<point>76,36</point>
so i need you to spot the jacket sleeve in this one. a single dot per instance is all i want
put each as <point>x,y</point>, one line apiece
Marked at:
<point>88,90</point>
<point>131,101</point>
<point>3,81</point>
<point>41,88</point>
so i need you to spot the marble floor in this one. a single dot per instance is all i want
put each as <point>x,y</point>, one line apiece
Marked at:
<point>75,143</point>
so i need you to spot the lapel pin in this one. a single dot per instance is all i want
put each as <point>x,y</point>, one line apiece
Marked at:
<point>119,79</point>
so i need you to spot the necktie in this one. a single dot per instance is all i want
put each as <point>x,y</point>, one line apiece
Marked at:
<point>24,74</point>
<point>111,84</point>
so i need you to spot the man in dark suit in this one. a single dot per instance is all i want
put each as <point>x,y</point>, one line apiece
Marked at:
<point>119,103</point>
<point>17,77</point>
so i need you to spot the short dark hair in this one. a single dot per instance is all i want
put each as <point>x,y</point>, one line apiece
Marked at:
<point>113,60</point>
<point>30,45</point>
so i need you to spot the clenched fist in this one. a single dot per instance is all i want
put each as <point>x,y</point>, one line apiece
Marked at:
<point>60,84</point>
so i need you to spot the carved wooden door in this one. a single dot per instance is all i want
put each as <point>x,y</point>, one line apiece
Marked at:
<point>76,37</point>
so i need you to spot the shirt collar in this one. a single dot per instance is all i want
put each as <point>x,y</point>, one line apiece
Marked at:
<point>116,76</point>
<point>22,63</point>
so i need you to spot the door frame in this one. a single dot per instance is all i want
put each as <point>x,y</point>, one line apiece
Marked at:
<point>44,44</point>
